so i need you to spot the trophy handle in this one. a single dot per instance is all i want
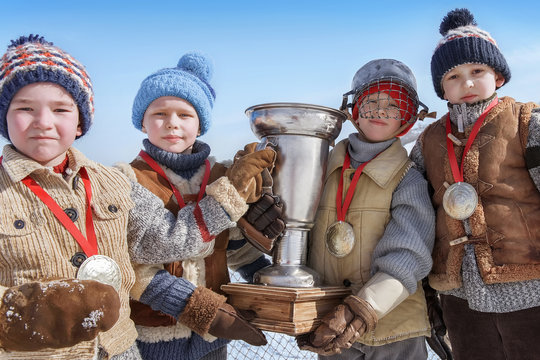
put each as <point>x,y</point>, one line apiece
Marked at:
<point>267,181</point>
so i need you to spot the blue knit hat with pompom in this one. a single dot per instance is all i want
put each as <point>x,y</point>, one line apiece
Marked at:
<point>189,80</point>
<point>464,42</point>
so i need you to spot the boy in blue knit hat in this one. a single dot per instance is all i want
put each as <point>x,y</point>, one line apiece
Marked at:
<point>180,312</point>
<point>482,160</point>
<point>69,227</point>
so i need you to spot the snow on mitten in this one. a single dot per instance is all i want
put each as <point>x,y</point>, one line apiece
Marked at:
<point>56,314</point>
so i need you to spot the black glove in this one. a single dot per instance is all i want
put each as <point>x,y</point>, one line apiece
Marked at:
<point>438,328</point>
<point>265,216</point>
<point>262,224</point>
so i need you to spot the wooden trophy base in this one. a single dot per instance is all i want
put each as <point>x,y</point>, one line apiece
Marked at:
<point>291,311</point>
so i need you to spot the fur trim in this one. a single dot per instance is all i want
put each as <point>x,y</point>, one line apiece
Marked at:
<point>524,119</point>
<point>235,234</point>
<point>226,194</point>
<point>126,169</point>
<point>185,186</point>
<point>451,278</point>
<point>167,333</point>
<point>201,309</point>
<point>145,274</point>
<point>194,271</point>
<point>3,290</point>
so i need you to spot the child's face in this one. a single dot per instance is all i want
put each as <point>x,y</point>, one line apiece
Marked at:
<point>43,122</point>
<point>171,124</point>
<point>470,83</point>
<point>379,117</point>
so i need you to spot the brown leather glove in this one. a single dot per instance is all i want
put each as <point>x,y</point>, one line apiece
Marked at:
<point>438,329</point>
<point>340,328</point>
<point>230,323</point>
<point>56,314</point>
<point>263,223</point>
<point>245,172</point>
<point>207,312</point>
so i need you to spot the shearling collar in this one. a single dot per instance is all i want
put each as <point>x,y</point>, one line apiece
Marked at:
<point>19,166</point>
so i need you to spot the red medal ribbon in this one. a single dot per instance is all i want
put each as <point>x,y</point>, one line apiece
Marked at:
<point>457,171</point>
<point>88,243</point>
<point>342,210</point>
<point>154,165</point>
<point>197,211</point>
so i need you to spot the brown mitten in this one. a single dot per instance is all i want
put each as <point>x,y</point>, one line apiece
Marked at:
<point>56,314</point>
<point>341,327</point>
<point>263,223</point>
<point>207,312</point>
<point>245,172</point>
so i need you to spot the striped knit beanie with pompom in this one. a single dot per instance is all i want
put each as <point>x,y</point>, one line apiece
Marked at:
<point>464,42</point>
<point>32,59</point>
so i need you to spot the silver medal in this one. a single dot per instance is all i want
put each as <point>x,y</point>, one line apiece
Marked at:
<point>101,268</point>
<point>340,239</point>
<point>460,200</point>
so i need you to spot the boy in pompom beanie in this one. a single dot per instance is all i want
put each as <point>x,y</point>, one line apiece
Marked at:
<point>180,311</point>
<point>482,160</point>
<point>391,219</point>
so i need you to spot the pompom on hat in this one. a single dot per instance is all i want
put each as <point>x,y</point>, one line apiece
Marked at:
<point>31,59</point>
<point>464,42</point>
<point>189,80</point>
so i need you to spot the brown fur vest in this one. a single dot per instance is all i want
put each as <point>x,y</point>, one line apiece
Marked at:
<point>505,226</point>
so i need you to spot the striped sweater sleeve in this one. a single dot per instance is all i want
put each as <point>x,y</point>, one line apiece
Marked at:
<point>404,250</point>
<point>156,236</point>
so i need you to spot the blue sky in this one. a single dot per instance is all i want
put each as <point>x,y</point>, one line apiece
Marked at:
<point>271,51</point>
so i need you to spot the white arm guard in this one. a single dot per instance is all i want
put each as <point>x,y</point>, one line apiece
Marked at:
<point>383,292</point>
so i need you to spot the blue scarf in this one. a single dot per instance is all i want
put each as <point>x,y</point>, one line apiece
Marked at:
<point>185,165</point>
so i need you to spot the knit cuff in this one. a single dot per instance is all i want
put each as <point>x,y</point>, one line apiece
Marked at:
<point>168,293</point>
<point>201,310</point>
<point>226,194</point>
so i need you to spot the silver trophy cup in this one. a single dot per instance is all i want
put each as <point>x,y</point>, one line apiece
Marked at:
<point>301,134</point>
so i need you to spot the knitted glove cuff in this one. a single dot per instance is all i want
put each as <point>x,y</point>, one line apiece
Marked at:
<point>201,310</point>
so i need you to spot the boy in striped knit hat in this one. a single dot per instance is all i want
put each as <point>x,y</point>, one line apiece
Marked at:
<point>180,312</point>
<point>482,160</point>
<point>67,221</point>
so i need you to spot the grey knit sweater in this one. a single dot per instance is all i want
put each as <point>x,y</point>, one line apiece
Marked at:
<point>498,298</point>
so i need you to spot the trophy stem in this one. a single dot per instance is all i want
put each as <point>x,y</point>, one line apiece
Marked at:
<point>289,269</point>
